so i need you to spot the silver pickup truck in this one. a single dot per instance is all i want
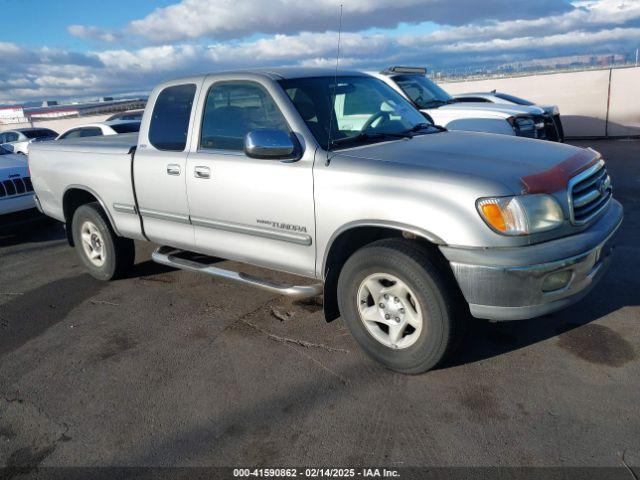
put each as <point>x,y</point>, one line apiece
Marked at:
<point>404,227</point>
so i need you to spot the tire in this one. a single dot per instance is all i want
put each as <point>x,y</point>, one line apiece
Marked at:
<point>425,312</point>
<point>106,255</point>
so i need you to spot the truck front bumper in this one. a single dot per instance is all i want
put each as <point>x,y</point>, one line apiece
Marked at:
<point>526,282</point>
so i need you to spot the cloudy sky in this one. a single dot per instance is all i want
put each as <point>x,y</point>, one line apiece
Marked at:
<point>77,49</point>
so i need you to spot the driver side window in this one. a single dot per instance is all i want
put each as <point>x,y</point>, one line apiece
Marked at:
<point>232,110</point>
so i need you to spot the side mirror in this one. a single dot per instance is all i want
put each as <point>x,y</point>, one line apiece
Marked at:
<point>270,144</point>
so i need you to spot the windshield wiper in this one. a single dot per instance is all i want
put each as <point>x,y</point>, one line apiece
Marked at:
<point>374,136</point>
<point>419,127</point>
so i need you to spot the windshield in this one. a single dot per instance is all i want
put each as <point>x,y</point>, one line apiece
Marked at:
<point>422,91</point>
<point>364,109</point>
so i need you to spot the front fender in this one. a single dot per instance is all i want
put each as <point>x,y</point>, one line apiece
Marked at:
<point>436,205</point>
<point>376,223</point>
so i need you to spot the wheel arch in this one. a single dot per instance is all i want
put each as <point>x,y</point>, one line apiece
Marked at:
<point>355,235</point>
<point>74,197</point>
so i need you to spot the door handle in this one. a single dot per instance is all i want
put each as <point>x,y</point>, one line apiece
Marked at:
<point>202,172</point>
<point>173,169</point>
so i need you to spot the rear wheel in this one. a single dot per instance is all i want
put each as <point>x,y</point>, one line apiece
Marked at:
<point>105,255</point>
<point>400,305</point>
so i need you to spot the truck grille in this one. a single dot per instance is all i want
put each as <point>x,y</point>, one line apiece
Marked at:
<point>15,187</point>
<point>589,193</point>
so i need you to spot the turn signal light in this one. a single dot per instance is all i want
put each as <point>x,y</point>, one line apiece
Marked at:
<point>493,215</point>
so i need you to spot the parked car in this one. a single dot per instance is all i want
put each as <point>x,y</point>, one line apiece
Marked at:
<point>20,139</point>
<point>113,127</point>
<point>128,115</point>
<point>16,190</point>
<point>555,128</point>
<point>402,226</point>
<point>442,109</point>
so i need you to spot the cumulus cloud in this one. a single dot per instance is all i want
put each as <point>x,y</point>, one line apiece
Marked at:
<point>93,33</point>
<point>226,19</point>
<point>558,41</point>
<point>587,16</point>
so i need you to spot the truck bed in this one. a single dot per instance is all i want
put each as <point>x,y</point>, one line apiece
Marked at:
<point>99,166</point>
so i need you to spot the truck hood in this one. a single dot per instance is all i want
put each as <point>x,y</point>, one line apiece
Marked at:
<point>494,109</point>
<point>12,164</point>
<point>493,157</point>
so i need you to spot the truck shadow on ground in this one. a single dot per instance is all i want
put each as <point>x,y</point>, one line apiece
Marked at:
<point>29,314</point>
<point>247,433</point>
<point>145,269</point>
<point>38,230</point>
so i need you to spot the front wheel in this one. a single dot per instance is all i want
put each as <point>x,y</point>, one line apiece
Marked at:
<point>106,255</point>
<point>399,304</point>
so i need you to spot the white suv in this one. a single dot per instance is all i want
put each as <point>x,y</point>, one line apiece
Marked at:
<point>16,191</point>
<point>442,109</point>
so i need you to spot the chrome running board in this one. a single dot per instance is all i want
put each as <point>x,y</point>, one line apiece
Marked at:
<point>169,256</point>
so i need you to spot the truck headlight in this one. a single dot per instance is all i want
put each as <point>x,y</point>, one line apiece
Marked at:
<point>521,215</point>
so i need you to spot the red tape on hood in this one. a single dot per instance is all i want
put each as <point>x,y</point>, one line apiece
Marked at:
<point>556,178</point>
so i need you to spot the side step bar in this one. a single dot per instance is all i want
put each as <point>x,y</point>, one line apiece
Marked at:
<point>169,256</point>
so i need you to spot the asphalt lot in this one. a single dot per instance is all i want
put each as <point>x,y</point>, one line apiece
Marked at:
<point>171,368</point>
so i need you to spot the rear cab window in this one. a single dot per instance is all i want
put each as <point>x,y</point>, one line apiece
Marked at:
<point>39,133</point>
<point>126,127</point>
<point>169,126</point>
<point>90,132</point>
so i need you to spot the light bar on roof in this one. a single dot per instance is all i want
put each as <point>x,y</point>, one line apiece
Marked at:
<point>416,70</point>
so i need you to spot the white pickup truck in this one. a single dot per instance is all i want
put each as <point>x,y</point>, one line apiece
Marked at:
<point>438,106</point>
<point>405,228</point>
